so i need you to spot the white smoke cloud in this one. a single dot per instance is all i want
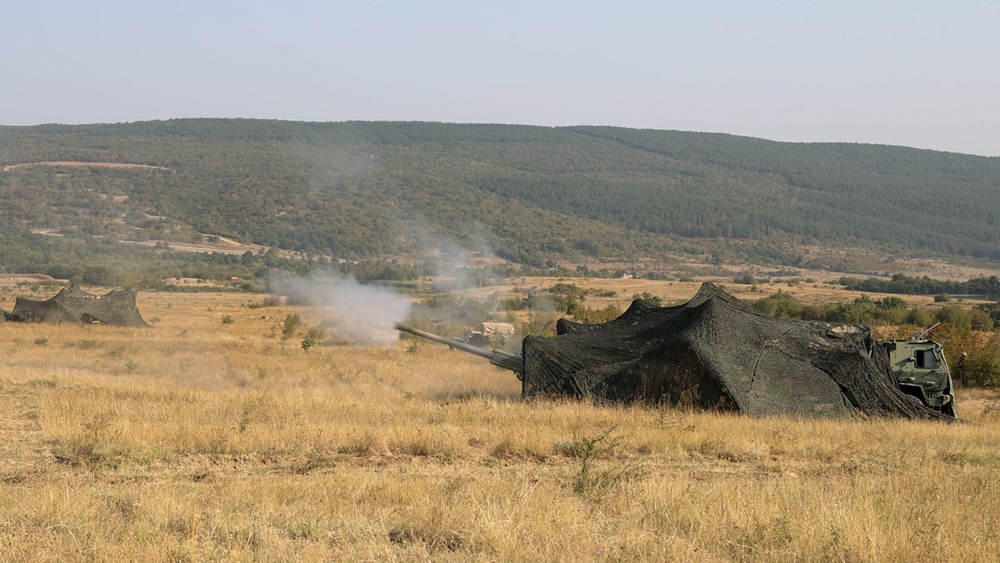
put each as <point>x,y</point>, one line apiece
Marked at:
<point>353,312</point>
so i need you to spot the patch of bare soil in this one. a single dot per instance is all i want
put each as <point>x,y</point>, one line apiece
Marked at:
<point>14,279</point>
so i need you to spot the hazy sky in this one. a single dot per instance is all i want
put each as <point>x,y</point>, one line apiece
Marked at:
<point>917,73</point>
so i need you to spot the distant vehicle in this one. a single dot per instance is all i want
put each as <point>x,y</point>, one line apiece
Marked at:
<point>922,371</point>
<point>489,334</point>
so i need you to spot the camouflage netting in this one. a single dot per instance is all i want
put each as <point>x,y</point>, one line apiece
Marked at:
<point>715,352</point>
<point>73,305</point>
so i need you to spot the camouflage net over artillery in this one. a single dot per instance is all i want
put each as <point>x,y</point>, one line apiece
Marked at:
<point>715,352</point>
<point>73,305</point>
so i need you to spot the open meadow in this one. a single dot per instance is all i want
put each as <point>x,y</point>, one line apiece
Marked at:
<point>213,436</point>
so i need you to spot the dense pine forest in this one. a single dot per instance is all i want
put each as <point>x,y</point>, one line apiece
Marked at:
<point>535,196</point>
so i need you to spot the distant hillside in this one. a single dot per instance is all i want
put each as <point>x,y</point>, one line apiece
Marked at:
<point>531,194</point>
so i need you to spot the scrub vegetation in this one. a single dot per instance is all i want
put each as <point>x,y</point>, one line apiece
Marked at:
<point>536,196</point>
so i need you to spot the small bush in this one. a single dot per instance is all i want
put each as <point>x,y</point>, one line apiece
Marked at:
<point>269,301</point>
<point>290,325</point>
<point>247,286</point>
<point>313,337</point>
<point>589,479</point>
<point>588,315</point>
<point>653,300</point>
<point>983,364</point>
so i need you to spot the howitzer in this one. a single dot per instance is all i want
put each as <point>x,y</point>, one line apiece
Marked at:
<point>499,358</point>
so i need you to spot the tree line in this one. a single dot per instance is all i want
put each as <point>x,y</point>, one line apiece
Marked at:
<point>987,287</point>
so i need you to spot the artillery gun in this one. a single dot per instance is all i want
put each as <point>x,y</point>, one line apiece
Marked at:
<point>499,358</point>
<point>716,352</point>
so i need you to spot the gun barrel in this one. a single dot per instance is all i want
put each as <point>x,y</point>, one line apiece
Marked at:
<point>446,341</point>
<point>496,357</point>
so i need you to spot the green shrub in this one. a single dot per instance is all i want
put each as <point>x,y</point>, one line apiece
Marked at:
<point>588,315</point>
<point>653,300</point>
<point>983,364</point>
<point>290,325</point>
<point>780,305</point>
<point>313,337</point>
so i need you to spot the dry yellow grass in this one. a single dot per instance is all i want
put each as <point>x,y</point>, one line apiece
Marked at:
<point>208,440</point>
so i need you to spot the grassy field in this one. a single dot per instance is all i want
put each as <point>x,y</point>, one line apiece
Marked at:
<point>210,437</point>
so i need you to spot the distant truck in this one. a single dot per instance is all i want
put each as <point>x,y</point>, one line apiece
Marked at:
<point>922,371</point>
<point>489,334</point>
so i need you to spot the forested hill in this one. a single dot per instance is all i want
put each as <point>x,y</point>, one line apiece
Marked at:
<point>363,189</point>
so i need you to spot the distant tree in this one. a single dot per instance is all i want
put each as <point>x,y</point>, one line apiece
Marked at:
<point>98,275</point>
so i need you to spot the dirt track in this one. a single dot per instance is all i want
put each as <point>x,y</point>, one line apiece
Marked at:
<point>82,164</point>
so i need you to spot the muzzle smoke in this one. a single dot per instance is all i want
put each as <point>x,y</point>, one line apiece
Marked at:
<point>352,312</point>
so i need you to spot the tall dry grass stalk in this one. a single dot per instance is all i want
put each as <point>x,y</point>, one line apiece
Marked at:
<point>201,439</point>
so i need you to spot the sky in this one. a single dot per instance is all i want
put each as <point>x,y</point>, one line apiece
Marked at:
<point>915,73</point>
